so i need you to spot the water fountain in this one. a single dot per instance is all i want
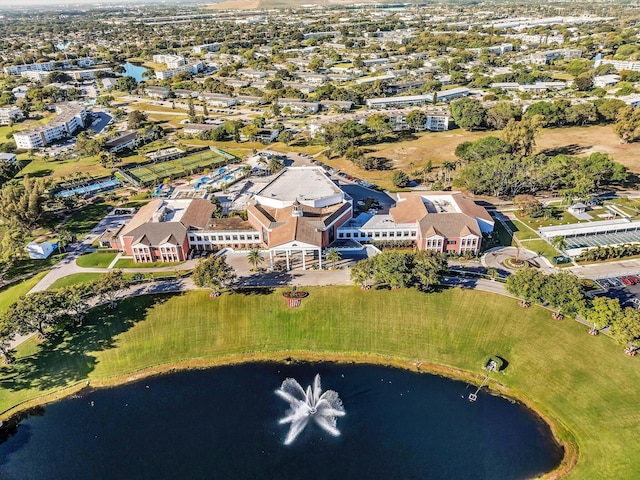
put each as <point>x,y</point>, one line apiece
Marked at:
<point>324,408</point>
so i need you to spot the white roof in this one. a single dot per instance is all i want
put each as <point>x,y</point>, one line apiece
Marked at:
<point>308,185</point>
<point>589,228</point>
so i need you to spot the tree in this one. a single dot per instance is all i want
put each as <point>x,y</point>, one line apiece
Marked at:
<point>468,113</point>
<point>136,119</point>
<point>255,258</point>
<point>583,82</point>
<point>214,273</point>
<point>191,111</point>
<point>528,205</point>
<point>363,273</point>
<point>232,127</point>
<point>57,77</point>
<point>75,300</point>
<point>627,125</point>
<point>275,165</point>
<point>126,84</point>
<point>333,256</point>
<point>563,290</point>
<point>109,286</point>
<point>285,136</point>
<point>626,328</point>
<point>250,132</point>
<point>379,124</point>
<point>428,269</point>
<point>23,205</point>
<point>499,115</point>
<point>416,120</point>
<point>608,108</point>
<point>400,179</point>
<point>582,113</point>
<point>64,238</point>
<point>559,242</point>
<point>353,154</point>
<point>527,284</point>
<point>482,148</point>
<point>604,312</point>
<point>521,135</point>
<point>36,312</point>
<point>8,329</point>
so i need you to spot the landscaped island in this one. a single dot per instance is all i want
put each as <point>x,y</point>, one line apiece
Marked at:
<point>583,385</point>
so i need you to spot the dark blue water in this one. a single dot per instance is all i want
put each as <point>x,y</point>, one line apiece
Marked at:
<point>134,71</point>
<point>223,424</point>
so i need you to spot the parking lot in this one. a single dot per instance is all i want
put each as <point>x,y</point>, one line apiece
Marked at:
<point>625,288</point>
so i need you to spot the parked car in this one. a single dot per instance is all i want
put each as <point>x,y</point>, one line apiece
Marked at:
<point>626,281</point>
<point>603,283</point>
<point>634,279</point>
<point>615,282</point>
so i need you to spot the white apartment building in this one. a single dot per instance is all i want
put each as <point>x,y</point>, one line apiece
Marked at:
<point>35,75</point>
<point>543,58</point>
<point>619,65</point>
<point>193,68</point>
<point>18,69</point>
<point>71,117</point>
<point>9,115</point>
<point>171,61</point>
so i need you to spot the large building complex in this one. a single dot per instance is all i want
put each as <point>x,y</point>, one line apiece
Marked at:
<point>71,117</point>
<point>440,221</point>
<point>297,216</point>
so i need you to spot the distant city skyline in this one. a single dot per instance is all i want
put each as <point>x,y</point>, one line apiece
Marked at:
<point>71,3</point>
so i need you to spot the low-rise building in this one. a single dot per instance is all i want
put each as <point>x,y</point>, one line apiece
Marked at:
<point>71,117</point>
<point>192,68</point>
<point>10,115</point>
<point>18,69</point>
<point>543,58</point>
<point>217,99</point>
<point>160,93</point>
<point>122,142</point>
<point>394,102</point>
<point>9,158</point>
<point>445,222</point>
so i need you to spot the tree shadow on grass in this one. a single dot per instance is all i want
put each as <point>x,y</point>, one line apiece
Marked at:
<point>65,357</point>
<point>572,149</point>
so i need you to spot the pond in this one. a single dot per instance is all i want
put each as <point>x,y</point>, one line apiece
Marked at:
<point>134,71</point>
<point>223,423</point>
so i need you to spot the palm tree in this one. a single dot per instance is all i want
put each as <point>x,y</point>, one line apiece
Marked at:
<point>559,242</point>
<point>64,238</point>
<point>254,257</point>
<point>333,256</point>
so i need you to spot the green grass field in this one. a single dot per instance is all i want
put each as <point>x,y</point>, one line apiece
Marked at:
<point>96,259</point>
<point>585,384</point>
<point>10,294</point>
<point>83,221</point>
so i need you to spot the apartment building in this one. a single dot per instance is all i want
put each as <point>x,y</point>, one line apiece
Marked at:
<point>71,116</point>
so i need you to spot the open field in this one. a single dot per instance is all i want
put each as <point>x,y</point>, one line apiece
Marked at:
<point>440,147</point>
<point>96,259</point>
<point>10,294</point>
<point>585,384</point>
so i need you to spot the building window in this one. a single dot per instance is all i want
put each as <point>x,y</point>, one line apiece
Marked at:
<point>451,242</point>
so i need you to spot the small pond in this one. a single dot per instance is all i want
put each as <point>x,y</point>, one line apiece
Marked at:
<point>222,423</point>
<point>134,71</point>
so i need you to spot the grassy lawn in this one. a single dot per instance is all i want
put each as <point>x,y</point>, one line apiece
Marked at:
<point>96,259</point>
<point>27,265</point>
<point>521,231</point>
<point>129,263</point>
<point>82,221</point>
<point>75,279</point>
<point>560,217</point>
<point>542,247</point>
<point>586,384</point>
<point>10,294</point>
